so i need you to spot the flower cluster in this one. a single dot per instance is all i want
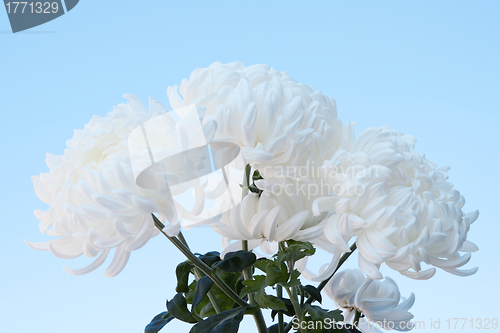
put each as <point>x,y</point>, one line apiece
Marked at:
<point>307,179</point>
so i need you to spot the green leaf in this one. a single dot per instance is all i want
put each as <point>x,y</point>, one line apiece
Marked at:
<point>189,295</point>
<point>209,258</point>
<point>295,251</point>
<point>274,328</point>
<point>290,311</point>
<point>294,280</point>
<point>202,287</point>
<point>182,272</point>
<point>208,309</point>
<point>335,315</point>
<point>284,270</point>
<point>177,307</point>
<point>256,176</point>
<point>257,286</point>
<point>205,308</point>
<point>231,279</point>
<point>274,274</point>
<point>269,301</point>
<point>239,284</point>
<point>262,264</point>
<point>158,322</point>
<point>313,292</point>
<point>236,261</point>
<point>211,324</point>
<point>253,286</point>
<point>318,313</point>
<point>230,325</point>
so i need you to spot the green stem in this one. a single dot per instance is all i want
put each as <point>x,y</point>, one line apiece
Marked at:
<point>323,283</point>
<point>247,272</point>
<point>257,315</point>
<point>198,275</point>
<point>281,322</point>
<point>289,326</point>
<point>201,265</point>
<point>246,181</point>
<point>292,293</point>
<point>357,315</point>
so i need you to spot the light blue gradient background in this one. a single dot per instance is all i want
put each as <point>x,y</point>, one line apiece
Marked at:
<point>426,68</point>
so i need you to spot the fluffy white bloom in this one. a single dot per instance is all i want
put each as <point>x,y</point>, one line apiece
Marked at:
<point>275,120</point>
<point>283,211</point>
<point>398,205</point>
<point>278,123</point>
<point>378,300</point>
<point>95,204</point>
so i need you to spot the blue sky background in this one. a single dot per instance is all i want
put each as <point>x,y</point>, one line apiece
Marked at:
<point>426,68</point>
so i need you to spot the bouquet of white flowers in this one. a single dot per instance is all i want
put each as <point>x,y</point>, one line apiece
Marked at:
<point>265,162</point>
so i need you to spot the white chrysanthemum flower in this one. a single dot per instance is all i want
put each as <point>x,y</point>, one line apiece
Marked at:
<point>379,301</point>
<point>277,123</point>
<point>281,212</point>
<point>398,205</point>
<point>95,204</point>
<point>275,120</point>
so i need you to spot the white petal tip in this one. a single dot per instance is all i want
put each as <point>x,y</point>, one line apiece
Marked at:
<point>37,246</point>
